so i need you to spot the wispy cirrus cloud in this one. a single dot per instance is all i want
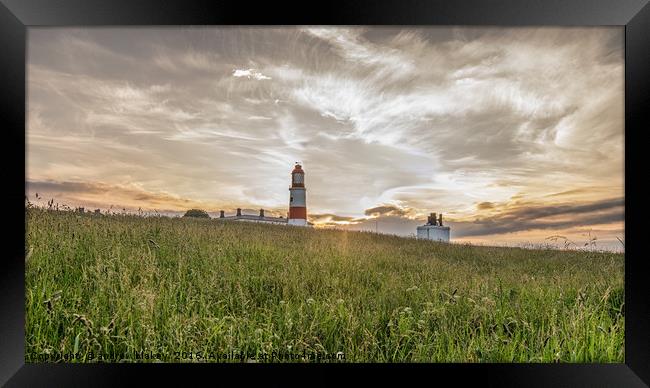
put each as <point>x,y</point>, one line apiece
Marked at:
<point>386,61</point>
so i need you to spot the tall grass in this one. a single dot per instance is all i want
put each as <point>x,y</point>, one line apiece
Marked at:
<point>119,285</point>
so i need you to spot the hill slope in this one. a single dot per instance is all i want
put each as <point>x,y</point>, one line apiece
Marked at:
<point>116,286</point>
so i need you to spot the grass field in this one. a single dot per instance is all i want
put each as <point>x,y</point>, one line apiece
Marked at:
<point>127,288</point>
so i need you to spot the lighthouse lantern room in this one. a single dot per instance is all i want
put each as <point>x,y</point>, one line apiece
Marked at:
<point>297,197</point>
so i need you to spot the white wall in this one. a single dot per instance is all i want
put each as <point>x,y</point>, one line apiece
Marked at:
<point>431,232</point>
<point>299,197</point>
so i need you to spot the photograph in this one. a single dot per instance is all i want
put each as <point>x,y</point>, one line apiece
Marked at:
<point>325,194</point>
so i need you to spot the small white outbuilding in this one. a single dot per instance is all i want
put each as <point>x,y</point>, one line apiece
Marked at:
<point>433,229</point>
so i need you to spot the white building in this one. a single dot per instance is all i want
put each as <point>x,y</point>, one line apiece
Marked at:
<point>433,229</point>
<point>253,218</point>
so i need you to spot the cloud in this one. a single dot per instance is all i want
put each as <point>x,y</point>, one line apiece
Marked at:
<point>330,219</point>
<point>98,194</point>
<point>384,61</point>
<point>395,225</point>
<point>485,205</point>
<point>249,73</point>
<point>392,212</point>
<point>518,217</point>
<point>387,210</point>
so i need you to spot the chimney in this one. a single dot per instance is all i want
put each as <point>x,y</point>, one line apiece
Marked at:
<point>238,212</point>
<point>261,213</point>
<point>221,215</point>
<point>433,219</point>
<point>440,219</point>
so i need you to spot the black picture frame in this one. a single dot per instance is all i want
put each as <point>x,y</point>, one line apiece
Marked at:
<point>16,16</point>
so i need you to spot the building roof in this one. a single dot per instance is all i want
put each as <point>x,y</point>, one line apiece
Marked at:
<point>249,217</point>
<point>298,168</point>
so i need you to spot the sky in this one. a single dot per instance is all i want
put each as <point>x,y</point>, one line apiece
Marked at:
<point>516,135</point>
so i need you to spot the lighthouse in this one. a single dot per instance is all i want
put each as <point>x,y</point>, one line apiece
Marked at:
<point>297,197</point>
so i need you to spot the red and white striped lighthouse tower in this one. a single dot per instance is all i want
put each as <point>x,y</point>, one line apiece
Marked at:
<point>297,197</point>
